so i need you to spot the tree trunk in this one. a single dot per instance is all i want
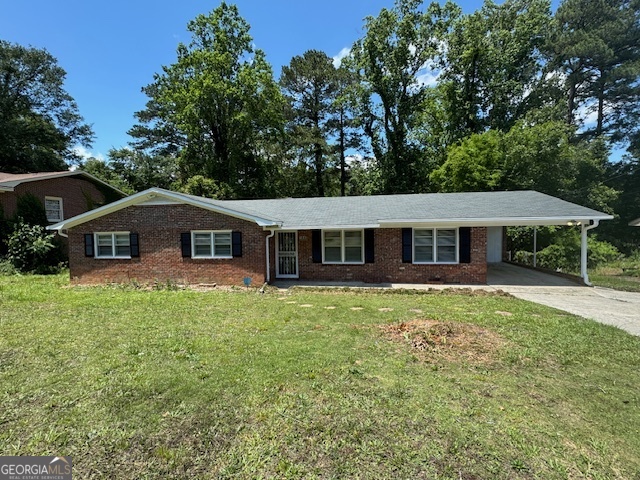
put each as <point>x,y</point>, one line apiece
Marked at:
<point>319,169</point>
<point>343,163</point>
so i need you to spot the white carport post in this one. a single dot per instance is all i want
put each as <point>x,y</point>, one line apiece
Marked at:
<point>584,228</point>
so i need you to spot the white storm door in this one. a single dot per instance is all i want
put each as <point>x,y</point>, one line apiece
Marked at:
<point>287,255</point>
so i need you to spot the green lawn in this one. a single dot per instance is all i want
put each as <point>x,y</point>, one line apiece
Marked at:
<point>177,384</point>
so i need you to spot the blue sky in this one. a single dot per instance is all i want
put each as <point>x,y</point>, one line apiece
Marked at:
<point>112,49</point>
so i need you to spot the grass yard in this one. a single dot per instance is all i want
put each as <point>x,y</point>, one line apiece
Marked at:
<point>622,274</point>
<point>314,384</point>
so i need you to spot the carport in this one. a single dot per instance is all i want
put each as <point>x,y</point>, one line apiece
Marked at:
<point>582,217</point>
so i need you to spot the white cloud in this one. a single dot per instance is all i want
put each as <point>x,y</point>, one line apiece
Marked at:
<point>86,153</point>
<point>337,59</point>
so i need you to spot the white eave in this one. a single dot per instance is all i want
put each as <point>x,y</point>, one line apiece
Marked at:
<point>9,185</point>
<point>491,222</point>
<point>152,196</point>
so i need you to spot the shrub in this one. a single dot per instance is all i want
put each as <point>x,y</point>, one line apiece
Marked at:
<point>30,210</point>
<point>565,255</point>
<point>6,267</point>
<point>31,249</point>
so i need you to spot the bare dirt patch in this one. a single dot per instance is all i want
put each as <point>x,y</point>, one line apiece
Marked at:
<point>431,340</point>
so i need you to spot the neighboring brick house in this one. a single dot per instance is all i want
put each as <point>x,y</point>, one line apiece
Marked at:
<point>63,194</point>
<point>158,235</point>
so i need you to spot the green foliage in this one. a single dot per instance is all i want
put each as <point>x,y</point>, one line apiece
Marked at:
<point>217,108</point>
<point>492,65</point>
<point>31,249</point>
<point>6,267</point>
<point>396,47</point>
<point>205,187</point>
<point>596,47</point>
<point>39,123</point>
<point>5,230</point>
<point>476,165</point>
<point>542,157</point>
<point>309,82</point>
<point>559,249</point>
<point>31,210</point>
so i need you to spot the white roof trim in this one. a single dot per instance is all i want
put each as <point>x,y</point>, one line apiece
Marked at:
<point>327,227</point>
<point>153,193</point>
<point>635,223</point>
<point>491,222</point>
<point>11,184</point>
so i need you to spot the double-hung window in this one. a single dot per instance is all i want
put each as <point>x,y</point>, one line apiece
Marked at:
<point>53,208</point>
<point>343,246</point>
<point>435,245</point>
<point>211,244</point>
<point>113,245</point>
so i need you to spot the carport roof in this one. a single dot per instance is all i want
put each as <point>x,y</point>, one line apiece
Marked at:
<point>431,209</point>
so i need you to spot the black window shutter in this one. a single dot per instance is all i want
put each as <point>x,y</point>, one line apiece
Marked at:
<point>236,244</point>
<point>316,246</point>
<point>88,245</point>
<point>407,245</point>
<point>134,245</point>
<point>464,252</point>
<point>368,245</point>
<point>185,240</point>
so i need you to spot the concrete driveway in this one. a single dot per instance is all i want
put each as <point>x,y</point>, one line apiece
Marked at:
<point>604,305</point>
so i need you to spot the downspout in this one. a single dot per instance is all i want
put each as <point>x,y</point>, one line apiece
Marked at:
<point>583,250</point>
<point>273,232</point>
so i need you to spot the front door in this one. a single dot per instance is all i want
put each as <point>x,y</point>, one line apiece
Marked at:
<point>287,255</point>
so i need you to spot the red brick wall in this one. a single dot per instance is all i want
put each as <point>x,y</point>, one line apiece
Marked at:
<point>388,266</point>
<point>76,194</point>
<point>159,228</point>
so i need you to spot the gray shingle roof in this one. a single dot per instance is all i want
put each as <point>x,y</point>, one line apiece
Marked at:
<point>474,207</point>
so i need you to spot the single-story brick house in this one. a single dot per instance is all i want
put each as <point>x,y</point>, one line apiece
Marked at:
<point>162,235</point>
<point>63,194</point>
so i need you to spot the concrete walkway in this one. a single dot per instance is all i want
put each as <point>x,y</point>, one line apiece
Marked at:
<point>604,305</point>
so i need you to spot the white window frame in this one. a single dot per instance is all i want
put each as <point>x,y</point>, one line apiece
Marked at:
<point>96,245</point>
<point>435,246</point>
<point>342,246</point>
<point>212,234</point>
<point>59,200</point>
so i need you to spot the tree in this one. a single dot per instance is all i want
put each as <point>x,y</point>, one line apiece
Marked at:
<point>217,107</point>
<point>309,82</point>
<point>344,125</point>
<point>491,73</point>
<point>39,121</point>
<point>398,46</point>
<point>595,48</point>
<point>542,157</point>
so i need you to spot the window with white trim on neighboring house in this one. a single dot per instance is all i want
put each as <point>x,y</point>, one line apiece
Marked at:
<point>435,245</point>
<point>112,245</point>
<point>343,246</point>
<point>211,244</point>
<point>53,208</point>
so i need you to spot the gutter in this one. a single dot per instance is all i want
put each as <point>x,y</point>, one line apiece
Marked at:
<point>583,251</point>
<point>273,232</point>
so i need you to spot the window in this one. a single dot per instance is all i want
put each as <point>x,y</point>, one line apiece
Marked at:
<point>343,246</point>
<point>211,244</point>
<point>113,245</point>
<point>53,207</point>
<point>435,245</point>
